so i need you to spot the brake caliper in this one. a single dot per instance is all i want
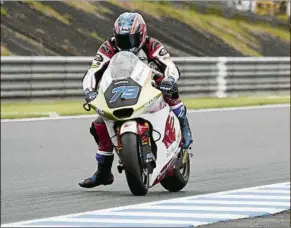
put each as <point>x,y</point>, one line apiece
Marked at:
<point>149,158</point>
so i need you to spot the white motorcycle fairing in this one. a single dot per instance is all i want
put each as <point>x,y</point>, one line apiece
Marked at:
<point>165,155</point>
<point>127,72</point>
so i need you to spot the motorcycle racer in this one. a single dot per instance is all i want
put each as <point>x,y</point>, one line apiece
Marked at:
<point>130,34</point>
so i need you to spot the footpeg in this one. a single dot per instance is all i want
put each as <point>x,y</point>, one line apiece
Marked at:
<point>190,152</point>
<point>183,158</point>
<point>120,167</point>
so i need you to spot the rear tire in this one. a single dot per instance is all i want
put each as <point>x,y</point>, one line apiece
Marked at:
<point>179,180</point>
<point>130,157</point>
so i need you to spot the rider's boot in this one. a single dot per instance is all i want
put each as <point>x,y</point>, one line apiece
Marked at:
<point>104,156</point>
<point>181,112</point>
<point>103,175</point>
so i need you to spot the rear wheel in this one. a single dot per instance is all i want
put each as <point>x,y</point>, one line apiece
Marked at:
<point>130,156</point>
<point>179,179</point>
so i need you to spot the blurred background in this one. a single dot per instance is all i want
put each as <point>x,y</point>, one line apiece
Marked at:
<point>197,28</point>
<point>47,46</point>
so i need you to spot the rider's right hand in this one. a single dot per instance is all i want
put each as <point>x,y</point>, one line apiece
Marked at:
<point>90,95</point>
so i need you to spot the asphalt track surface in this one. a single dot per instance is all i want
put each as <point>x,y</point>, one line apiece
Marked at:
<point>43,161</point>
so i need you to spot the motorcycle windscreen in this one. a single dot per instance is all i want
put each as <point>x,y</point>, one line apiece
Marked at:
<point>123,90</point>
<point>122,65</point>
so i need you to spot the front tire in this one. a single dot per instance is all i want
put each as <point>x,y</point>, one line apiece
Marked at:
<point>130,157</point>
<point>179,180</point>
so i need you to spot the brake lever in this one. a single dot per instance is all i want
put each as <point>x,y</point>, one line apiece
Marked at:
<point>89,106</point>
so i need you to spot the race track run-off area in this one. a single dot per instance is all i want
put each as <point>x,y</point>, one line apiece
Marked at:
<point>240,169</point>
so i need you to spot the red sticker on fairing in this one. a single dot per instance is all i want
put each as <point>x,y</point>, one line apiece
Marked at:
<point>170,132</point>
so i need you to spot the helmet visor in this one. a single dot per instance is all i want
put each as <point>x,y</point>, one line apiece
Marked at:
<point>127,41</point>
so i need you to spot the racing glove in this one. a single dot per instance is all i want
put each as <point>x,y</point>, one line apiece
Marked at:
<point>167,85</point>
<point>90,95</point>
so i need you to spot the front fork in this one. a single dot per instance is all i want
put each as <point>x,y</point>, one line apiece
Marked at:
<point>147,156</point>
<point>120,167</point>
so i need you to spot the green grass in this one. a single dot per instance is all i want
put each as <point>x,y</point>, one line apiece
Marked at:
<point>23,109</point>
<point>233,102</point>
<point>235,31</point>
<point>5,51</point>
<point>87,6</point>
<point>282,17</point>
<point>238,32</point>
<point>49,11</point>
<point>96,36</point>
<point>34,109</point>
<point>22,37</point>
<point>92,34</point>
<point>4,11</point>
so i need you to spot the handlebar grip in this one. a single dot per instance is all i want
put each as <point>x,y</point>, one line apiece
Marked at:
<point>154,84</point>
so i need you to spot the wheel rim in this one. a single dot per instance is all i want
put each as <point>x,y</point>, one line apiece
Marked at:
<point>144,179</point>
<point>143,174</point>
<point>184,169</point>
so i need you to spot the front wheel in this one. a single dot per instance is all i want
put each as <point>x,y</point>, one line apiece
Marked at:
<point>130,157</point>
<point>179,179</point>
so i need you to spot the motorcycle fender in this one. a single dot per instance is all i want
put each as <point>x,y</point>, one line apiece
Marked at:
<point>129,126</point>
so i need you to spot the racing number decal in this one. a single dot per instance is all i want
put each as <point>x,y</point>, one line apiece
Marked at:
<point>125,92</point>
<point>121,93</point>
<point>116,91</point>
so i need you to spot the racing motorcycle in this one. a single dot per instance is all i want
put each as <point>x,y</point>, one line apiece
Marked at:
<point>145,132</point>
